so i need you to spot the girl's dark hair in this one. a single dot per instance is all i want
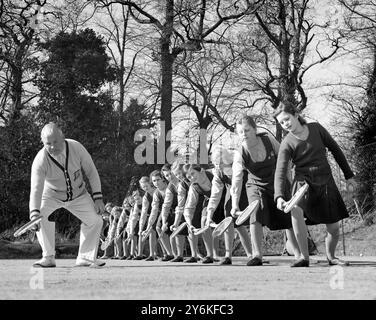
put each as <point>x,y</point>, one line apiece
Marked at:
<point>139,191</point>
<point>166,167</point>
<point>248,119</point>
<point>196,167</point>
<point>156,173</point>
<point>288,107</point>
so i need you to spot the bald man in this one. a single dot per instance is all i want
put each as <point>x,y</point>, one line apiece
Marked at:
<point>57,182</point>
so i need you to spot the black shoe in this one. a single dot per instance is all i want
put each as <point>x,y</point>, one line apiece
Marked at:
<point>256,261</point>
<point>167,258</point>
<point>300,263</point>
<point>149,259</point>
<point>178,259</point>
<point>143,257</point>
<point>191,260</point>
<point>123,258</point>
<point>137,258</point>
<point>226,261</point>
<point>207,260</point>
<point>130,257</point>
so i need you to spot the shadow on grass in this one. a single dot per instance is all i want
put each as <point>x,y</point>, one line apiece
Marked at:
<point>27,250</point>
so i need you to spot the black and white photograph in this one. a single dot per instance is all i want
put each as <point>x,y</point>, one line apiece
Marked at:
<point>188,156</point>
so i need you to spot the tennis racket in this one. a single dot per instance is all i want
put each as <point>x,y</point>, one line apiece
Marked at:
<point>199,231</point>
<point>27,226</point>
<point>178,230</point>
<point>240,218</point>
<point>247,212</point>
<point>105,243</point>
<point>296,198</point>
<point>222,226</point>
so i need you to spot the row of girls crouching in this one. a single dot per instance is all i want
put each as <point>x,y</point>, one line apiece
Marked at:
<point>258,170</point>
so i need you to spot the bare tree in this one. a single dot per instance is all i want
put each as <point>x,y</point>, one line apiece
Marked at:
<point>356,97</point>
<point>183,26</point>
<point>208,85</point>
<point>69,15</point>
<point>18,25</point>
<point>276,48</point>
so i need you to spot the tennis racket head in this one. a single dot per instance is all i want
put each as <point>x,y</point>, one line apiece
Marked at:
<point>179,229</point>
<point>296,198</point>
<point>27,226</point>
<point>105,244</point>
<point>222,227</point>
<point>199,231</point>
<point>247,212</point>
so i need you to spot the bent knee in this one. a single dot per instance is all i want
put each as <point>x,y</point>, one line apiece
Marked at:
<point>333,229</point>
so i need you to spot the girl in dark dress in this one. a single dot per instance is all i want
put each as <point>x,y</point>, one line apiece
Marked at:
<point>258,155</point>
<point>305,145</point>
<point>222,158</point>
<point>183,188</point>
<point>169,211</point>
<point>195,206</point>
<point>147,200</point>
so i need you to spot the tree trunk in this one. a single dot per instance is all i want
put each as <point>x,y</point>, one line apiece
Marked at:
<point>16,93</point>
<point>167,61</point>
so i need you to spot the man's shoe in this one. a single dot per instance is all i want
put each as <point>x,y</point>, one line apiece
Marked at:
<point>149,259</point>
<point>178,259</point>
<point>300,263</point>
<point>83,262</point>
<point>226,261</point>
<point>207,260</point>
<point>256,261</point>
<point>167,258</point>
<point>45,262</point>
<point>191,260</point>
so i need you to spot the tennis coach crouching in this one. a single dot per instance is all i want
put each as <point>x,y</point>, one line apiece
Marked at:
<point>57,182</point>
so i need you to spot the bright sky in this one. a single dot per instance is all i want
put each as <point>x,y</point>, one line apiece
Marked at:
<point>335,70</point>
